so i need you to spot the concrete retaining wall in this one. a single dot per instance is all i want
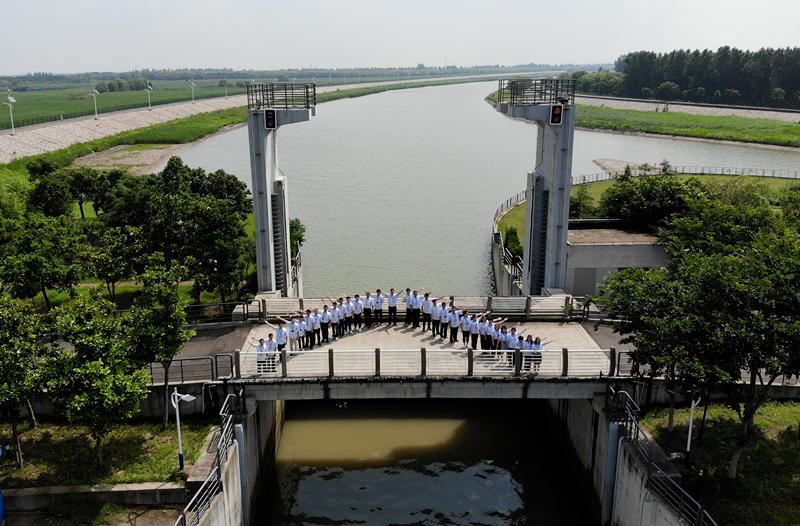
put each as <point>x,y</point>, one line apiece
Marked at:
<point>226,507</point>
<point>582,427</point>
<point>636,505</point>
<point>146,494</point>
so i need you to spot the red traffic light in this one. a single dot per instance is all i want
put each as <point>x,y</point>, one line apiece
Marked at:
<point>556,113</point>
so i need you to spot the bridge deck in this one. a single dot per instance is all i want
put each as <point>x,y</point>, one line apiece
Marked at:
<point>400,355</point>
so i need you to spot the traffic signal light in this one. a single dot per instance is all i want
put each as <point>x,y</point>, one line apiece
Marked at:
<point>556,113</point>
<point>270,119</point>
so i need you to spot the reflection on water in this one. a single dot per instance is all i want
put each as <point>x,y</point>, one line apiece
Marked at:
<point>419,463</point>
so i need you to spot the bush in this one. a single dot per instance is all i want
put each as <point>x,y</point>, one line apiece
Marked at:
<point>512,241</point>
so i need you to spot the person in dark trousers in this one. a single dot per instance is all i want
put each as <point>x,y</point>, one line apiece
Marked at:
<point>325,323</point>
<point>391,299</point>
<point>379,307</point>
<point>369,308</point>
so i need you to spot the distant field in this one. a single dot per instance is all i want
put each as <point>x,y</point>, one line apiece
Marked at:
<point>51,103</point>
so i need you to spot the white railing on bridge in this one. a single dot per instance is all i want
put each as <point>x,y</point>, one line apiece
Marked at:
<point>428,362</point>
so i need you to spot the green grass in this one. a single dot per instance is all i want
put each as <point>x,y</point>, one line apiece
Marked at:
<point>729,128</point>
<point>767,488</point>
<point>514,216</point>
<point>57,454</point>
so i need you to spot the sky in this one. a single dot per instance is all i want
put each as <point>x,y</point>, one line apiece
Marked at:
<point>60,36</point>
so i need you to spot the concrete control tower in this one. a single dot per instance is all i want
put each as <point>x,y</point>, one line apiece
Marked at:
<point>271,106</point>
<point>551,104</point>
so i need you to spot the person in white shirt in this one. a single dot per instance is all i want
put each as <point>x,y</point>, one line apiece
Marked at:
<point>265,355</point>
<point>416,303</point>
<point>292,329</point>
<point>280,334</point>
<point>436,317</point>
<point>358,308</point>
<point>407,301</point>
<point>325,323</point>
<point>379,307</point>
<point>444,317</point>
<point>334,318</point>
<point>301,332</point>
<point>455,321</point>
<point>392,301</point>
<point>369,308</point>
<point>348,314</point>
<point>309,319</point>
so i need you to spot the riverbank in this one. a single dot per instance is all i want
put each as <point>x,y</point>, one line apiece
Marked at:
<point>742,127</point>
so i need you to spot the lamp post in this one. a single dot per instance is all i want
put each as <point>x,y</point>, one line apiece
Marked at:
<point>344,81</point>
<point>94,96</point>
<point>10,108</point>
<point>176,398</point>
<point>225,83</point>
<point>148,89</point>
<point>329,80</point>
<point>192,84</point>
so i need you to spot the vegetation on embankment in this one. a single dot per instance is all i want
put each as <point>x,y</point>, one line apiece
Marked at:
<point>766,490</point>
<point>718,128</point>
<point>59,454</point>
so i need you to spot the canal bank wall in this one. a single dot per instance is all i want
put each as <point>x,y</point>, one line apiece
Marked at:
<point>612,486</point>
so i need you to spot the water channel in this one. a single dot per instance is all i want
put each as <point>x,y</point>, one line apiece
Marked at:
<point>420,462</point>
<point>398,189</point>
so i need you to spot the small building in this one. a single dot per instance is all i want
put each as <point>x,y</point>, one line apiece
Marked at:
<point>596,248</point>
<point>600,247</point>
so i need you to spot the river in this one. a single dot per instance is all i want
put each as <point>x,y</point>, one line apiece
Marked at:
<point>398,189</point>
<point>419,462</point>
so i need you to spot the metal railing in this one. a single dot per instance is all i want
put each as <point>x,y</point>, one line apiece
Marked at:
<point>232,311</point>
<point>282,95</point>
<point>677,498</point>
<point>529,92</point>
<point>198,369</point>
<point>202,500</point>
<point>621,408</point>
<point>508,203</point>
<point>426,362</point>
<point>691,170</point>
<point>513,264</point>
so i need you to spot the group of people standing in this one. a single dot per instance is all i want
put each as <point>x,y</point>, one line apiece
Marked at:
<point>347,315</point>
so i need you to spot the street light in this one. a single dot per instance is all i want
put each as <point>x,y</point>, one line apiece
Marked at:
<point>329,80</point>
<point>94,96</point>
<point>10,108</point>
<point>225,83</point>
<point>177,397</point>
<point>148,89</point>
<point>192,85</point>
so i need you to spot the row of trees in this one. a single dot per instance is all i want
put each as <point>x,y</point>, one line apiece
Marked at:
<point>767,77</point>
<point>135,84</point>
<point>199,74</point>
<point>188,215</point>
<point>721,317</point>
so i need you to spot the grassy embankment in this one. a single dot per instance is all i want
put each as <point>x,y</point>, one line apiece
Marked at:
<point>57,454</point>
<point>721,128</point>
<point>767,488</point>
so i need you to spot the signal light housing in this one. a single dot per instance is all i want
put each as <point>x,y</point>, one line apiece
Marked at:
<point>556,114</point>
<point>270,119</point>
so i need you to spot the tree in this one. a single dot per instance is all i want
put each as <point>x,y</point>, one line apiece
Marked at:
<point>14,191</point>
<point>94,382</point>
<point>83,184</point>
<point>722,311</point>
<point>651,199</point>
<point>44,254</point>
<point>52,196</point>
<point>581,204</point>
<point>38,167</point>
<point>512,241</point>
<point>115,258</point>
<point>297,236</point>
<point>20,353</point>
<point>157,318</point>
